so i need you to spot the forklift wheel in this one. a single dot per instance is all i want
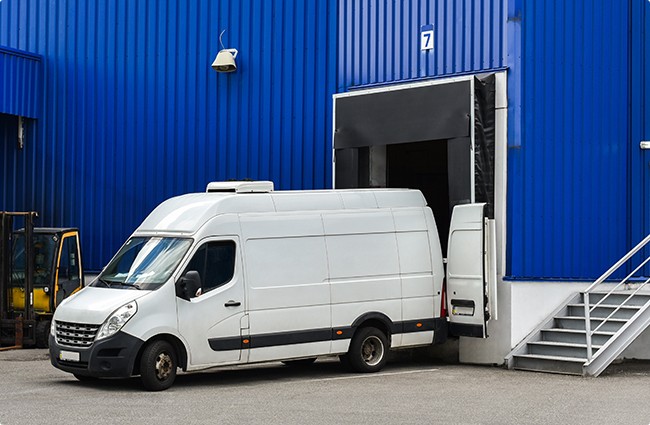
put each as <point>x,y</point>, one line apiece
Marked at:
<point>42,333</point>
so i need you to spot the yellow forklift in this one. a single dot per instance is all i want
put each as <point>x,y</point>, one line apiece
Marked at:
<point>34,277</point>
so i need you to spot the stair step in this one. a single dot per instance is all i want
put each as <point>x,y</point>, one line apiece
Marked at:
<point>563,344</point>
<point>602,311</point>
<point>579,360</point>
<point>616,298</point>
<point>545,363</point>
<point>575,336</point>
<point>561,349</point>
<point>577,322</point>
<point>612,306</point>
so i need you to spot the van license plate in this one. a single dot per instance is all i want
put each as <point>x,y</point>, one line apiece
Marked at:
<point>69,356</point>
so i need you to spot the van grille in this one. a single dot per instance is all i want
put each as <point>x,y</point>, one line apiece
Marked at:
<point>75,334</point>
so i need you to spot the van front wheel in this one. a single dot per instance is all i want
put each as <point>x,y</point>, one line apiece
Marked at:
<point>368,350</point>
<point>158,366</point>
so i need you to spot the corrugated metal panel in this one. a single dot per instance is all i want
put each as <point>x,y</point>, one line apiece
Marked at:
<point>20,76</point>
<point>569,138</point>
<point>640,122</point>
<point>134,114</point>
<point>379,41</point>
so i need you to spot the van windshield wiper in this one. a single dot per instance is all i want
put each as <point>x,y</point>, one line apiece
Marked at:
<point>99,279</point>
<point>129,284</point>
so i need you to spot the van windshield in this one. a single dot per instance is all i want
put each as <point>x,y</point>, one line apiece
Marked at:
<point>144,263</point>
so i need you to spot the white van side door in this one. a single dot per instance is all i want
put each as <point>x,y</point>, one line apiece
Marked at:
<point>471,270</point>
<point>211,322</point>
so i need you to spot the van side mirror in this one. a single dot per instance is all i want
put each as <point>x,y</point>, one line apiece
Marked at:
<point>188,286</point>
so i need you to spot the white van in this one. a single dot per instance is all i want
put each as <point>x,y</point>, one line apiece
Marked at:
<point>243,274</point>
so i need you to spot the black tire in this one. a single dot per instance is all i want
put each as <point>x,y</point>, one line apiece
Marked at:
<point>84,378</point>
<point>345,362</point>
<point>368,350</point>
<point>42,334</point>
<point>300,363</point>
<point>158,366</point>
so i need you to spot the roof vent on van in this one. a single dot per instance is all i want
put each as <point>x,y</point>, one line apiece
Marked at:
<point>241,187</point>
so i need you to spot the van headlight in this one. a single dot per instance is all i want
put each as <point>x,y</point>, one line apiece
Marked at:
<point>53,329</point>
<point>116,320</point>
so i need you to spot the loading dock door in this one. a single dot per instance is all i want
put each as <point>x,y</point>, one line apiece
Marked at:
<point>437,137</point>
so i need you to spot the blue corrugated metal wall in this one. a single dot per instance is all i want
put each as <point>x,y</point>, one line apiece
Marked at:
<point>640,121</point>
<point>569,143</point>
<point>20,78</point>
<point>133,114</point>
<point>379,41</point>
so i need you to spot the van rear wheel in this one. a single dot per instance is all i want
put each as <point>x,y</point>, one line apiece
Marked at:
<point>158,366</point>
<point>368,350</point>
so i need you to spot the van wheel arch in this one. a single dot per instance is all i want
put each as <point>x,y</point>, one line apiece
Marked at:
<point>375,320</point>
<point>178,345</point>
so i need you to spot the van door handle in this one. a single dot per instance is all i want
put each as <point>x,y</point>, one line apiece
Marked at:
<point>232,303</point>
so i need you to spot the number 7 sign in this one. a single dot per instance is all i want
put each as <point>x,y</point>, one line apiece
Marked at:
<point>426,37</point>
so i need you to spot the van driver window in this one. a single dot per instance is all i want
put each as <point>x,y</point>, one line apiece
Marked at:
<point>215,262</point>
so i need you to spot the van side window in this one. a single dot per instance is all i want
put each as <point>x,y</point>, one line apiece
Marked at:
<point>215,262</point>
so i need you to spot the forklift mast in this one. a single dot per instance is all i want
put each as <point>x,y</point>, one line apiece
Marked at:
<point>6,243</point>
<point>10,319</point>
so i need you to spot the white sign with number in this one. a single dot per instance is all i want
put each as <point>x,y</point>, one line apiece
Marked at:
<point>426,37</point>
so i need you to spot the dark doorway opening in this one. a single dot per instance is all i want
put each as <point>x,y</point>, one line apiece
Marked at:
<point>438,138</point>
<point>423,166</point>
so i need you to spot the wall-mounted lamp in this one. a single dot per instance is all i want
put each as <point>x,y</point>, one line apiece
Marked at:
<point>225,60</point>
<point>21,132</point>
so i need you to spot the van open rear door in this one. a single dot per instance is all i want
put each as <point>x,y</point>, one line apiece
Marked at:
<point>471,271</point>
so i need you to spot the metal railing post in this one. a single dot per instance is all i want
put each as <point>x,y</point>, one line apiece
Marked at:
<point>587,325</point>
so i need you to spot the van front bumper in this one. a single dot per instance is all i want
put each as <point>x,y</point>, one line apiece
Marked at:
<point>111,357</point>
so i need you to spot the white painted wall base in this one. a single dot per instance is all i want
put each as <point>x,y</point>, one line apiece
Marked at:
<point>493,349</point>
<point>522,306</point>
<point>639,349</point>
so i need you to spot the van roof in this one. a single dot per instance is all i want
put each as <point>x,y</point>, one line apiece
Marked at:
<point>187,213</point>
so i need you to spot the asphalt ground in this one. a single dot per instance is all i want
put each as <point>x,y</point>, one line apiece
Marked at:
<point>405,392</point>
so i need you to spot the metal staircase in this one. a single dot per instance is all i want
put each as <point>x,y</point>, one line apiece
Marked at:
<point>590,329</point>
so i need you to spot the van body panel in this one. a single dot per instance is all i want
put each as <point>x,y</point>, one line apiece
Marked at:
<point>290,275</point>
<point>362,256</point>
<point>248,202</point>
<point>289,351</point>
<point>280,225</point>
<point>366,289</point>
<point>93,305</point>
<point>416,339</point>
<point>435,251</point>
<point>308,201</point>
<point>358,222</point>
<point>466,277</point>
<point>184,213</point>
<point>358,199</point>
<point>287,284</point>
<point>414,257</point>
<point>204,318</point>
<point>289,320</point>
<point>410,220</point>
<point>221,226</point>
<point>344,315</point>
<point>417,285</point>
<point>396,198</point>
<point>216,314</point>
<point>153,314</point>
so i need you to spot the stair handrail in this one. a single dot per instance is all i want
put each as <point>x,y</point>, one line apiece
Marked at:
<point>622,304</point>
<point>601,279</point>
